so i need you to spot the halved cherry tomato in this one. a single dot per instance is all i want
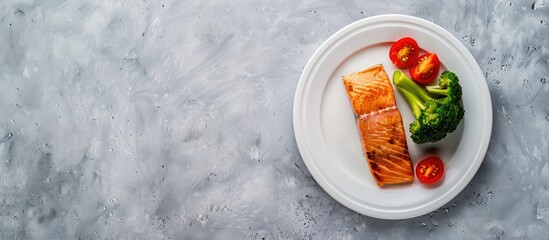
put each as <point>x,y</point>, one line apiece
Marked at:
<point>425,69</point>
<point>429,170</point>
<point>404,52</point>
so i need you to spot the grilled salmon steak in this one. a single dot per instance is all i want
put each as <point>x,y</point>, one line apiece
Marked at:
<point>380,125</point>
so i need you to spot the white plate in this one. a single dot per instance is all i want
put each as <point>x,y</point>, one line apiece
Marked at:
<point>325,128</point>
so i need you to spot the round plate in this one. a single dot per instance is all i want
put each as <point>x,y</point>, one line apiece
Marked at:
<point>325,127</point>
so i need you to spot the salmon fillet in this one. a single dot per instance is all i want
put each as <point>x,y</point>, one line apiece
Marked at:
<point>380,125</point>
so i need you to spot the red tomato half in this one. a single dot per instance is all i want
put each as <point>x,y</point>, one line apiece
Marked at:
<point>429,170</point>
<point>404,52</point>
<point>425,69</point>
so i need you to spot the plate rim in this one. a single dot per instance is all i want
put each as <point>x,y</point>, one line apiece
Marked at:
<point>304,79</point>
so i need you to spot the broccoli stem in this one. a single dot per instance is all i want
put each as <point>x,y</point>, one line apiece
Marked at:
<point>437,90</point>
<point>414,95</point>
<point>401,80</point>
<point>416,104</point>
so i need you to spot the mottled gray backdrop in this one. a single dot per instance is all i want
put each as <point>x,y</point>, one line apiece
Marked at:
<point>143,119</point>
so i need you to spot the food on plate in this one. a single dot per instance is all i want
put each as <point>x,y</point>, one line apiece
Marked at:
<point>435,117</point>
<point>404,52</point>
<point>425,69</point>
<point>430,170</point>
<point>380,125</point>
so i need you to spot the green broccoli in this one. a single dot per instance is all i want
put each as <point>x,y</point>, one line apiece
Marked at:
<point>435,118</point>
<point>448,86</point>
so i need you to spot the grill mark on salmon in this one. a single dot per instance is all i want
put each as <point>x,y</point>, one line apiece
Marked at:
<point>380,125</point>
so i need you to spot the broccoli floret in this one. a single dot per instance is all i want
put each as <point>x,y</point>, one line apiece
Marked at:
<point>448,86</point>
<point>435,118</point>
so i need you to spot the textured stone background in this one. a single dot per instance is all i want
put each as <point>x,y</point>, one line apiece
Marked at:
<point>173,119</point>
